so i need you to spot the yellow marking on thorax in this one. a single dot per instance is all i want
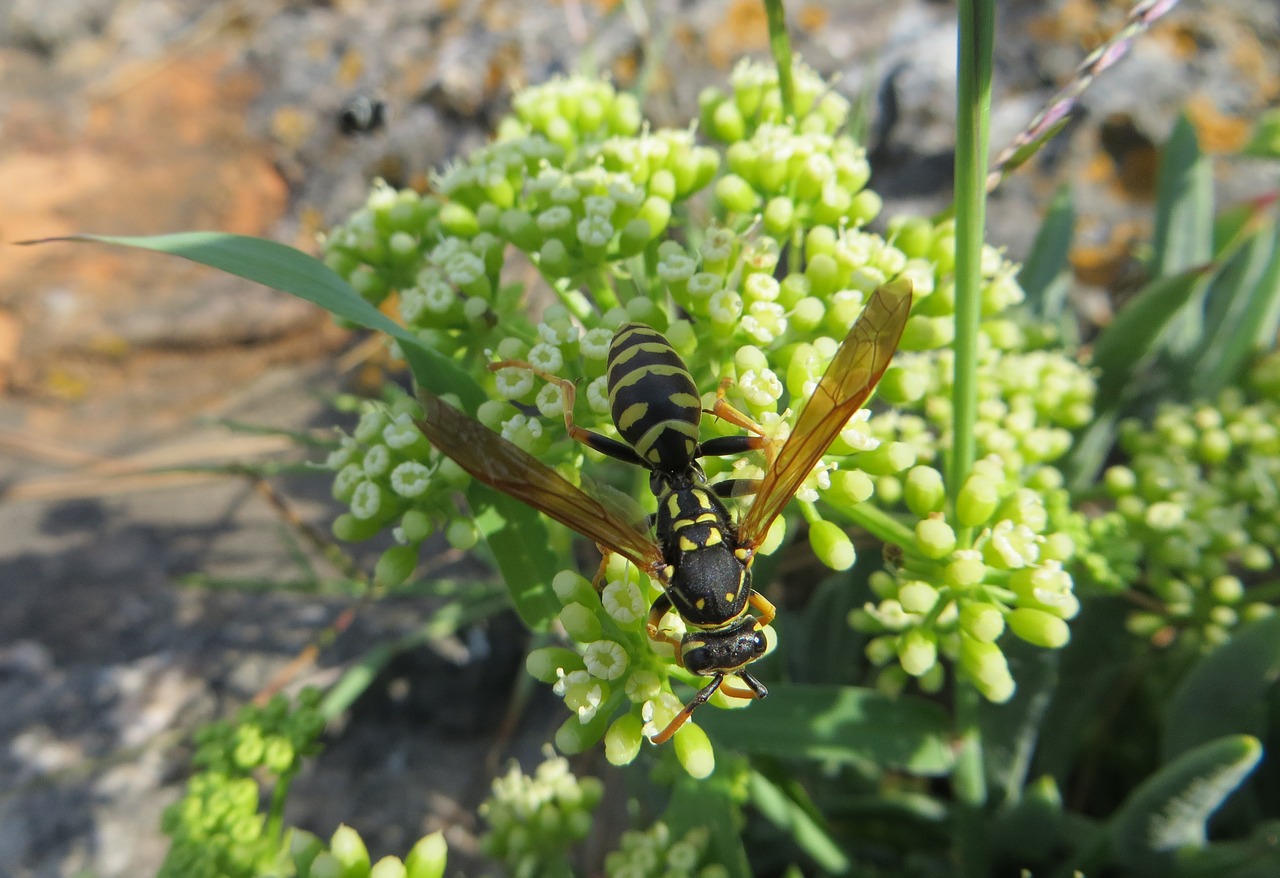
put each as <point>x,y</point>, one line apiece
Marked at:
<point>687,545</point>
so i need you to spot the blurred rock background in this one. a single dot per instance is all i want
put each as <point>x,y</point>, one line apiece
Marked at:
<point>149,116</point>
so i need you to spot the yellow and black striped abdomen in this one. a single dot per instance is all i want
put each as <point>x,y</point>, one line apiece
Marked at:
<point>653,399</point>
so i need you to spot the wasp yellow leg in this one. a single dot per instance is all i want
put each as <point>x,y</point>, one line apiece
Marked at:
<point>725,411</point>
<point>761,605</point>
<point>683,716</point>
<point>660,608</point>
<point>754,688</point>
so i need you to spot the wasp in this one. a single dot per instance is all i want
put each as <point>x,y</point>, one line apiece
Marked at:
<point>692,545</point>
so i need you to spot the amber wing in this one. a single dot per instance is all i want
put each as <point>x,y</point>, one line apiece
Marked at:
<point>511,470</point>
<point>858,364</point>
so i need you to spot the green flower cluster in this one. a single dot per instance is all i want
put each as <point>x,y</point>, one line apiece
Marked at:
<point>1200,502</point>
<point>578,189</point>
<point>654,853</point>
<point>389,477</point>
<point>612,677</point>
<point>533,821</point>
<point>347,856</point>
<point>217,828</point>
<point>756,100</point>
<point>952,599</point>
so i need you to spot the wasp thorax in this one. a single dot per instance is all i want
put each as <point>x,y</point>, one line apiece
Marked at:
<point>706,653</point>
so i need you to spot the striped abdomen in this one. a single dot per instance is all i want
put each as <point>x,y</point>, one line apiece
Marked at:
<point>654,402</point>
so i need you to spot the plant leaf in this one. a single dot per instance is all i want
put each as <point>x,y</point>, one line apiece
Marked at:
<point>1130,339</point>
<point>521,545</point>
<point>1242,306</point>
<point>787,814</point>
<point>840,724</point>
<point>1169,810</point>
<point>1183,226</point>
<point>1047,261</point>
<point>1225,691</point>
<point>710,803</point>
<point>290,270</point>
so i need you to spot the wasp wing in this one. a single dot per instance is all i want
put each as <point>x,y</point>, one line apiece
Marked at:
<point>511,470</point>
<point>854,371</point>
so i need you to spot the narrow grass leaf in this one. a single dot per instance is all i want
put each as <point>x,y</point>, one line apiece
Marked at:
<point>1048,258</point>
<point>1183,224</point>
<point>291,271</point>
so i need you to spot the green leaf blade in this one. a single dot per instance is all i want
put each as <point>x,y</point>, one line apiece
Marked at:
<point>841,724</point>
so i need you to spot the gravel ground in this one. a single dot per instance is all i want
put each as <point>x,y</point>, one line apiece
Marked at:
<point>159,115</point>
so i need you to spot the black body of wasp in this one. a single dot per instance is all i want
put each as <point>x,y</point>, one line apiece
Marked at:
<point>699,555</point>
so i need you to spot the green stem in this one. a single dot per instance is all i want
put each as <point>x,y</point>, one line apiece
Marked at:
<point>969,783</point>
<point>973,113</point>
<point>780,46</point>
<point>977,20</point>
<point>878,523</point>
<point>606,297</point>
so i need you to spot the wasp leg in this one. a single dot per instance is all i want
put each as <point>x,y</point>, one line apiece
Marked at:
<point>597,581</point>
<point>761,605</point>
<point>568,395</point>
<point>726,412</point>
<point>755,689</point>
<point>660,608</point>
<point>727,489</point>
<point>683,716</point>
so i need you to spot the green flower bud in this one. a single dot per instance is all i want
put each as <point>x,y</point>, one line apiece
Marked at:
<point>779,215</point>
<point>326,865</point>
<point>979,497</point>
<point>395,565</point>
<point>917,651</point>
<point>463,534</point>
<point>849,486</point>
<point>736,194</point>
<point>831,545</point>
<point>349,850</point>
<point>918,597</point>
<point>571,587</point>
<point>622,741</point>
<point>1039,628</point>
<point>935,537</point>
<point>986,666</point>
<point>924,491</point>
<point>351,529</point>
<point>981,620</point>
<point>694,750</point>
<point>889,458</point>
<point>580,623</point>
<point>544,664</point>
<point>457,219</point>
<point>428,857</point>
<point>966,569</point>
<point>388,867</point>
<point>575,736</point>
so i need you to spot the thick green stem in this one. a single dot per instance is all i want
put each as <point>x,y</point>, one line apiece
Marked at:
<point>977,19</point>
<point>973,112</point>
<point>780,46</point>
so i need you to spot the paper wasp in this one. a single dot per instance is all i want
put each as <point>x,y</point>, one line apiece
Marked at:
<point>698,554</point>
